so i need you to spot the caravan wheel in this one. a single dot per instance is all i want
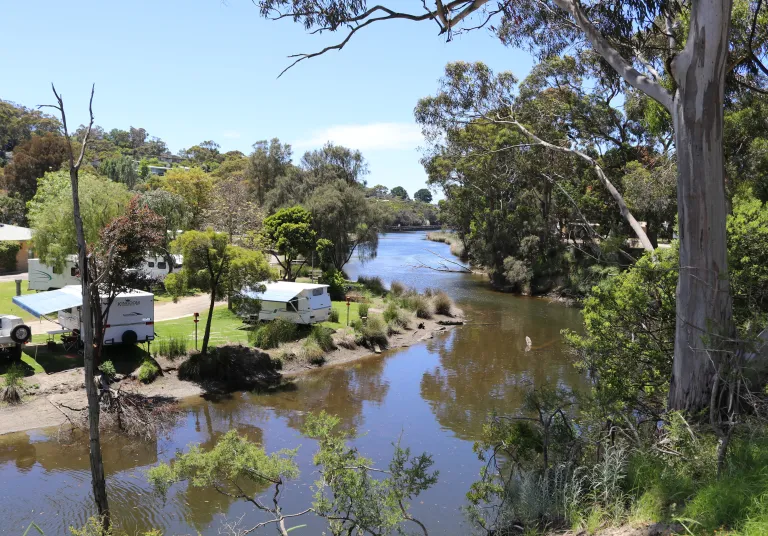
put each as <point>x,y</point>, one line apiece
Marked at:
<point>129,337</point>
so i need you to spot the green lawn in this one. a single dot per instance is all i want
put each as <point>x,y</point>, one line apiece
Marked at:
<point>7,292</point>
<point>341,308</point>
<point>226,326</point>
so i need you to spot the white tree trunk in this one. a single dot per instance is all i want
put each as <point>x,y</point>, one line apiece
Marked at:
<point>704,328</point>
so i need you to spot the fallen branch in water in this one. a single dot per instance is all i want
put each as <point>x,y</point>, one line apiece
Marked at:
<point>444,265</point>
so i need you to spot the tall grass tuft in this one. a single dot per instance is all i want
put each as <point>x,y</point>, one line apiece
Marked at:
<point>442,303</point>
<point>373,284</point>
<point>333,316</point>
<point>372,333</point>
<point>396,288</point>
<point>171,348</point>
<point>362,310</point>
<point>422,307</point>
<point>312,353</point>
<point>395,316</point>
<point>271,334</point>
<point>323,337</point>
<point>14,385</point>
<point>148,371</point>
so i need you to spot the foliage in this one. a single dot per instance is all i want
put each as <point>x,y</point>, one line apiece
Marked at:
<point>171,348</point>
<point>230,210</point>
<point>322,336</point>
<point>421,306</point>
<point>374,284</point>
<point>213,265</point>
<point>172,208</point>
<point>148,371</point>
<point>14,385</point>
<point>442,303</point>
<point>12,209</point>
<point>94,526</point>
<point>399,191</point>
<point>122,169</point>
<point>19,124</point>
<point>234,366</point>
<point>333,316</point>
<point>423,195</point>
<point>107,368</point>
<point>372,333</point>
<point>396,288</point>
<point>50,213</point>
<point>287,235</point>
<point>8,251</point>
<point>394,316</point>
<point>627,348</point>
<point>269,161</point>
<point>195,187</point>
<point>271,334</point>
<point>31,160</point>
<point>311,353</point>
<point>362,309</point>
<point>336,283</point>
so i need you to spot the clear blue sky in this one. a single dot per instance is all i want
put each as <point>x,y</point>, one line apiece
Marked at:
<point>193,70</point>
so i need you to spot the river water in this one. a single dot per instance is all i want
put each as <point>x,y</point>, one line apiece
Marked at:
<point>434,396</point>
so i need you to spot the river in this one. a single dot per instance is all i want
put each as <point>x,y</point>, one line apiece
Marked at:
<point>434,396</point>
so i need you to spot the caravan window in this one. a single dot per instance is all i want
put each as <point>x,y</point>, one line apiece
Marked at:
<point>73,271</point>
<point>318,291</point>
<point>150,265</point>
<point>292,305</point>
<point>161,265</point>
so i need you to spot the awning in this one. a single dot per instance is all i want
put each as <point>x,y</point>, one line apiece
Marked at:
<point>274,294</point>
<point>44,303</point>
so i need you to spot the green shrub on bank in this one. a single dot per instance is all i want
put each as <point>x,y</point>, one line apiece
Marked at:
<point>271,334</point>
<point>372,333</point>
<point>396,317</point>
<point>148,371</point>
<point>312,353</point>
<point>323,337</point>
<point>396,288</point>
<point>362,310</point>
<point>333,316</point>
<point>14,385</point>
<point>422,307</point>
<point>373,284</point>
<point>235,366</point>
<point>107,368</point>
<point>171,348</point>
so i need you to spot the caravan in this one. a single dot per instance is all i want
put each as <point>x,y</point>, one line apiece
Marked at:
<point>44,277</point>
<point>300,303</point>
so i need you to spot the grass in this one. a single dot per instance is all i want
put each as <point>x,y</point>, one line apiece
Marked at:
<point>270,334</point>
<point>341,308</point>
<point>7,292</point>
<point>226,327</point>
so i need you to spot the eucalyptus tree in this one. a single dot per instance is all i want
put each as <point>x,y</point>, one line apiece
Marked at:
<point>677,53</point>
<point>268,161</point>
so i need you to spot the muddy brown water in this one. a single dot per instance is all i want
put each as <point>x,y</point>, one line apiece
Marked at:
<point>434,395</point>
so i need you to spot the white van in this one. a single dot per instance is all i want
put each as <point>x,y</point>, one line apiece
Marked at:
<point>44,277</point>
<point>300,303</point>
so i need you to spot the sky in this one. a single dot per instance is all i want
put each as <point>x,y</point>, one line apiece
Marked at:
<point>195,70</point>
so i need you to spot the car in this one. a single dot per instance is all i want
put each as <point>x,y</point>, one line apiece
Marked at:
<point>13,334</point>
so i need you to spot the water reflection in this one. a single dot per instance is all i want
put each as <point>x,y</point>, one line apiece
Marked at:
<point>434,396</point>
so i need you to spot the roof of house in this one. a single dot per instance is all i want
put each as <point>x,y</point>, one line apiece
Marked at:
<point>12,232</point>
<point>282,291</point>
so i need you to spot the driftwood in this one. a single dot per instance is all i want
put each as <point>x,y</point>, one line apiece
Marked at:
<point>445,265</point>
<point>450,322</point>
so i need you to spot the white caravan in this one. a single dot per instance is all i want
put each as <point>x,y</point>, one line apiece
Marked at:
<point>44,277</point>
<point>130,320</point>
<point>300,303</point>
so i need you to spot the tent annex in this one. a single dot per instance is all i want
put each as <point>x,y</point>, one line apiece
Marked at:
<point>300,303</point>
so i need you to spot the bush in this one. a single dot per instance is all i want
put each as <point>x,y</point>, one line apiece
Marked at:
<point>347,340</point>
<point>271,334</point>
<point>14,385</point>
<point>372,333</point>
<point>362,310</point>
<point>148,371</point>
<point>396,288</point>
<point>236,366</point>
<point>396,317</point>
<point>518,275</point>
<point>374,284</point>
<point>107,368</point>
<point>336,283</point>
<point>322,336</point>
<point>312,353</point>
<point>333,316</point>
<point>8,251</point>
<point>443,303</point>
<point>422,307</point>
<point>171,348</point>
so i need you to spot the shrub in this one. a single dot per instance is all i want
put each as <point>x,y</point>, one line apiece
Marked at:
<point>322,336</point>
<point>429,292</point>
<point>395,316</point>
<point>422,307</point>
<point>312,353</point>
<point>362,310</point>
<point>373,332</point>
<point>347,340</point>
<point>14,385</point>
<point>518,274</point>
<point>271,334</point>
<point>236,366</point>
<point>148,371</point>
<point>392,329</point>
<point>108,369</point>
<point>396,288</point>
<point>171,348</point>
<point>8,251</point>
<point>443,303</point>
<point>336,282</point>
<point>374,284</point>
<point>333,316</point>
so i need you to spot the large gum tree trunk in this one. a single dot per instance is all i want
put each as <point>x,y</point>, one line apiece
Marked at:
<point>704,325</point>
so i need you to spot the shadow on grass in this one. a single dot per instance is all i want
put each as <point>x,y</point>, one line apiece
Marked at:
<point>52,358</point>
<point>5,364</point>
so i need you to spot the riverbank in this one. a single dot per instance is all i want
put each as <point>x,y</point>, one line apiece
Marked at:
<point>53,399</point>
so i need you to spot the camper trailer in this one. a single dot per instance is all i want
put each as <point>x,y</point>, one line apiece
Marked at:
<point>44,277</point>
<point>130,320</point>
<point>300,303</point>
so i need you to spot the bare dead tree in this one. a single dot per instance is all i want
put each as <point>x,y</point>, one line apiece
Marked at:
<point>98,480</point>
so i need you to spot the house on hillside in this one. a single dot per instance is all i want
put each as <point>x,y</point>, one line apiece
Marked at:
<point>14,248</point>
<point>300,303</point>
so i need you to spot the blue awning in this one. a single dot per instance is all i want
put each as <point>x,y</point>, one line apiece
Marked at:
<point>44,303</point>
